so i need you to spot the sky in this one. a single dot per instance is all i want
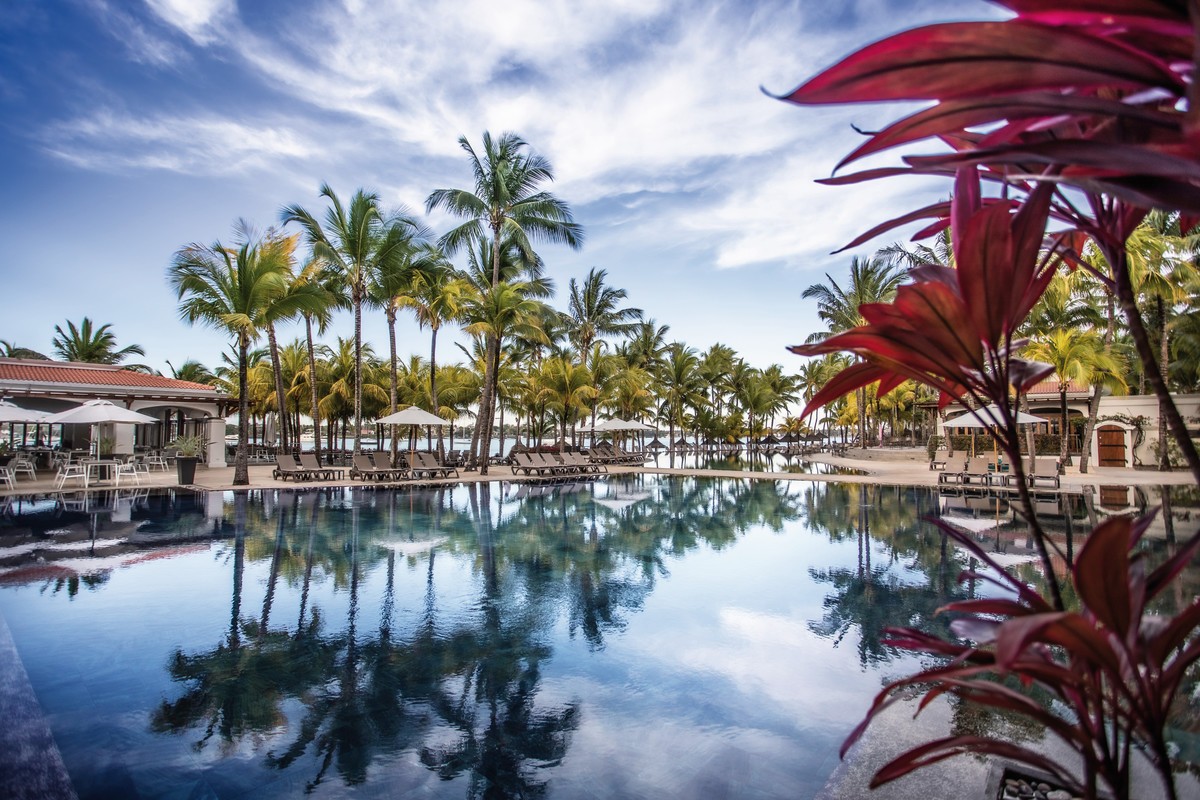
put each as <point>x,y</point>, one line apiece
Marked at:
<point>132,128</point>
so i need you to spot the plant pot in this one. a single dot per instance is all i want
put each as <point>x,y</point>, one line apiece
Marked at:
<point>185,469</point>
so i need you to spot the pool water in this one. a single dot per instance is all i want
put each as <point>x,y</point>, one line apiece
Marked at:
<point>642,636</point>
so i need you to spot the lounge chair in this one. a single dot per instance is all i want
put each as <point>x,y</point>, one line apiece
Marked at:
<point>1044,469</point>
<point>426,465</point>
<point>580,464</point>
<point>288,469</point>
<point>950,475</point>
<point>309,462</point>
<point>523,462</point>
<point>364,468</point>
<point>977,472</point>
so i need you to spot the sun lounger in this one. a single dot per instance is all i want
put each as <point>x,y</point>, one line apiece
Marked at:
<point>309,462</point>
<point>1045,470</point>
<point>580,464</point>
<point>524,462</point>
<point>288,469</point>
<point>364,468</point>
<point>426,465</point>
<point>977,472</point>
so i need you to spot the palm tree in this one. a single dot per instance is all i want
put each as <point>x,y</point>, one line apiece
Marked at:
<point>645,345</point>
<point>234,290</point>
<point>872,280</point>
<point>494,314</point>
<point>567,389</point>
<point>356,241</point>
<point>325,281</point>
<point>193,372</point>
<point>435,296</point>
<point>680,383</point>
<point>506,203</point>
<point>594,312</point>
<point>98,346</point>
<point>1076,355</point>
<point>13,350</point>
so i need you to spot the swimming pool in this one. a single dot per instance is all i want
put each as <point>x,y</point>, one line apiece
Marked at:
<point>644,636</point>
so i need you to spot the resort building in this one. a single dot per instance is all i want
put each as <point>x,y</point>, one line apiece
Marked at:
<point>1126,433</point>
<point>182,408</point>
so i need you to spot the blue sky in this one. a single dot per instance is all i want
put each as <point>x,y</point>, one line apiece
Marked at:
<point>130,129</point>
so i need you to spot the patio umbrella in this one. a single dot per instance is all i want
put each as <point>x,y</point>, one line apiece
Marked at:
<point>987,417</point>
<point>412,416</point>
<point>769,439</point>
<point>655,444</point>
<point>11,412</point>
<point>95,412</point>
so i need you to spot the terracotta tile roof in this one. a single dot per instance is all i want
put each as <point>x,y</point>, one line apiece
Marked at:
<point>1050,386</point>
<point>25,370</point>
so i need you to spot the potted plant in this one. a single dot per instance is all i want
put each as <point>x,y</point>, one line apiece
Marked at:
<point>189,449</point>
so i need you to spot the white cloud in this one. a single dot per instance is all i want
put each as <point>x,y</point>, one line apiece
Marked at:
<point>208,144</point>
<point>198,19</point>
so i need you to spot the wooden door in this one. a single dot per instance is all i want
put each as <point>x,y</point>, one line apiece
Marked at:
<point>1112,446</point>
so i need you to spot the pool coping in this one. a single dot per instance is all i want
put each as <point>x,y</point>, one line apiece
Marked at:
<point>31,766</point>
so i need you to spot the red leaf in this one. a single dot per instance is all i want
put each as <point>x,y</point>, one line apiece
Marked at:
<point>935,211</point>
<point>953,115</point>
<point>1101,574</point>
<point>941,749</point>
<point>965,59</point>
<point>1017,634</point>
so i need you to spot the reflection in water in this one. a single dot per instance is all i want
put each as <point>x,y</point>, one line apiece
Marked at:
<point>407,637</point>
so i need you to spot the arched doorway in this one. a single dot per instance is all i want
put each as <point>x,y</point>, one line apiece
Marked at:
<point>1110,441</point>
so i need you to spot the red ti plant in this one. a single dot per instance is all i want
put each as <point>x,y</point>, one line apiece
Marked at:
<point>1098,99</point>
<point>952,329</point>
<point>1113,668</point>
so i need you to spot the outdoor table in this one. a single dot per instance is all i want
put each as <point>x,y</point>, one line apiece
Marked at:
<point>99,469</point>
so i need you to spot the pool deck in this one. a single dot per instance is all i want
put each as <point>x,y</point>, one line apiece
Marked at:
<point>903,467</point>
<point>31,767</point>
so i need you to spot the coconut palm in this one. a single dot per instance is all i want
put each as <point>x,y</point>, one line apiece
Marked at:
<point>567,390</point>
<point>594,312</point>
<point>357,240</point>
<point>645,345</point>
<point>233,289</point>
<point>680,384</point>
<point>91,345</point>
<point>872,280</point>
<point>434,295</point>
<point>325,282</point>
<point>13,350</point>
<point>1076,355</point>
<point>505,204</point>
<point>193,372</point>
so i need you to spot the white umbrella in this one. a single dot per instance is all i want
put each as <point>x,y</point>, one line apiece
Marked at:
<point>618,424</point>
<point>412,416</point>
<point>94,412</point>
<point>988,417</point>
<point>11,412</point>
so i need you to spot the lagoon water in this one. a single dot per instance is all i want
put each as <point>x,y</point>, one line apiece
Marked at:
<point>642,636</point>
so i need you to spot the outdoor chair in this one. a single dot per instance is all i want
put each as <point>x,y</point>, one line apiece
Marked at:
<point>309,462</point>
<point>523,462</point>
<point>1045,470</point>
<point>129,469</point>
<point>288,469</point>
<point>76,471</point>
<point>155,460</point>
<point>22,465</point>
<point>977,472</point>
<point>426,465</point>
<point>580,464</point>
<point>365,468</point>
<point>8,477</point>
<point>951,475</point>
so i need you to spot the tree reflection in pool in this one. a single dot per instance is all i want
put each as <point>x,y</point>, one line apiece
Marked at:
<point>643,636</point>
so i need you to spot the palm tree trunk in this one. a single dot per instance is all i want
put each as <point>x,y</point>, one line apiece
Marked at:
<point>1117,259</point>
<point>1164,356</point>
<point>312,386</point>
<point>280,399</point>
<point>357,370</point>
<point>433,396</point>
<point>1090,426</point>
<point>1064,454</point>
<point>241,461</point>
<point>391,321</point>
<point>483,421</point>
